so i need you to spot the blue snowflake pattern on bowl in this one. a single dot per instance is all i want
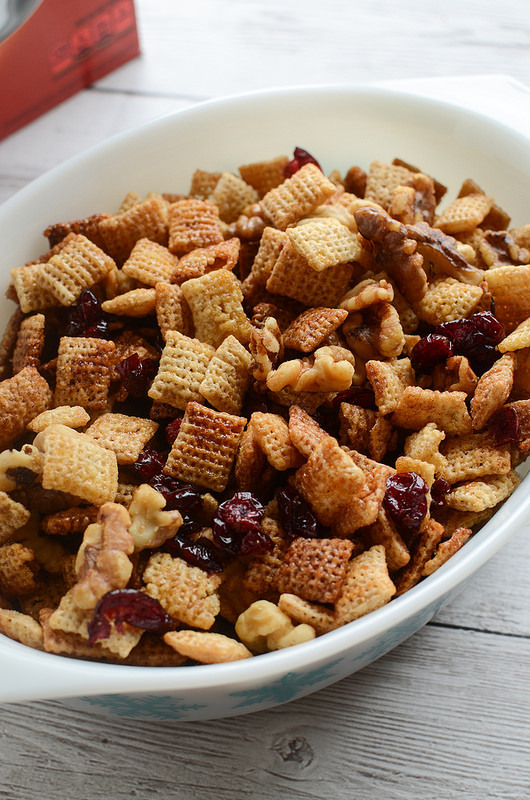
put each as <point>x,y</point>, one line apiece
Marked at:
<point>146,706</point>
<point>289,686</point>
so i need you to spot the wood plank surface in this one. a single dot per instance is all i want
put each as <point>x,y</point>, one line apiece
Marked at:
<point>447,714</point>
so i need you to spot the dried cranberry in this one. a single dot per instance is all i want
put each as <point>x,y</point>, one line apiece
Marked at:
<point>172,430</point>
<point>86,318</point>
<point>439,489</point>
<point>357,396</point>
<point>405,500</point>
<point>128,605</point>
<point>149,463</point>
<point>504,425</point>
<point>237,525</point>
<point>296,516</point>
<point>199,553</point>
<point>181,496</point>
<point>136,374</point>
<point>475,338</point>
<point>301,158</point>
<point>433,349</point>
<point>489,326</point>
<point>189,526</point>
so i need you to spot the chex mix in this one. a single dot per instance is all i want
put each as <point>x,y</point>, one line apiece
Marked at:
<point>235,419</point>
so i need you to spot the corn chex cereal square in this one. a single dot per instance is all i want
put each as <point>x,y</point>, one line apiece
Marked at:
<point>328,481</point>
<point>481,494</point>
<point>21,627</point>
<point>193,223</point>
<point>181,370</point>
<point>206,647</point>
<point>201,260</point>
<point>367,586</point>
<point>29,288</point>
<point>231,196</point>
<point>272,435</point>
<point>473,456</point>
<point>492,390</point>
<point>292,277</point>
<point>383,532</point>
<point>447,299</point>
<point>144,220</point>
<point>172,312</point>
<point>76,464</point>
<point>13,515</point>
<point>315,569</point>
<point>262,571</point>
<point>22,398</point>
<point>187,593</point>
<point>311,327</point>
<point>325,242</point>
<point>423,550</point>
<point>9,340</point>
<point>465,213</point>
<point>519,339</point>
<point>510,289</point>
<point>124,435</point>
<point>150,263</point>
<point>205,448</point>
<point>79,265</point>
<point>83,372</point>
<point>382,181</point>
<point>270,245</point>
<point>227,376</point>
<point>30,342</point>
<point>135,303</point>
<point>264,175</point>
<point>71,416</point>
<point>215,301</point>
<point>89,227</point>
<point>203,183</point>
<point>417,407</point>
<point>297,196</point>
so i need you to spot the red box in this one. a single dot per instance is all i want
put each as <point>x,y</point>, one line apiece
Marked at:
<point>51,49</point>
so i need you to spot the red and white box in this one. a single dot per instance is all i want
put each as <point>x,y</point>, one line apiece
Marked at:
<point>51,49</point>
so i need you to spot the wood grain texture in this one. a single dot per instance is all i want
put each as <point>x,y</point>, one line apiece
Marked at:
<point>447,714</point>
<point>435,718</point>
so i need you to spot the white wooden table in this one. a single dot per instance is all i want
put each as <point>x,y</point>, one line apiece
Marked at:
<point>447,714</point>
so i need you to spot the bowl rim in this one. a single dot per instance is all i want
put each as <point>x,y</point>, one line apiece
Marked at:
<point>68,677</point>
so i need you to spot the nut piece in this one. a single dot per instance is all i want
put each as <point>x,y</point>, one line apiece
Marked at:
<point>150,526</point>
<point>266,348</point>
<point>102,562</point>
<point>325,371</point>
<point>263,627</point>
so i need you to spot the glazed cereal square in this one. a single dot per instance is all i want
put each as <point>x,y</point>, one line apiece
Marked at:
<point>325,243</point>
<point>124,435</point>
<point>315,569</point>
<point>193,223</point>
<point>150,263</point>
<point>83,372</point>
<point>297,196</point>
<point>181,371</point>
<point>227,376</point>
<point>79,265</point>
<point>205,448</point>
<point>187,593</point>
<point>144,220</point>
<point>22,398</point>
<point>76,464</point>
<point>292,277</point>
<point>215,301</point>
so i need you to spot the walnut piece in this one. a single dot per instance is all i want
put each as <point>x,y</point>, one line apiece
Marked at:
<point>266,348</point>
<point>327,370</point>
<point>394,251</point>
<point>102,562</point>
<point>150,525</point>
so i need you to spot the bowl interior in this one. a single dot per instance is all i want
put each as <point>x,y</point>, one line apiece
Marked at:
<point>340,126</point>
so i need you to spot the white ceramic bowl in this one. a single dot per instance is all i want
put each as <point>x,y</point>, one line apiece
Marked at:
<point>341,126</point>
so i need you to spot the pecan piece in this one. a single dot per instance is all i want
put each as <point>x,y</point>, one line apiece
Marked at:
<point>394,251</point>
<point>441,250</point>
